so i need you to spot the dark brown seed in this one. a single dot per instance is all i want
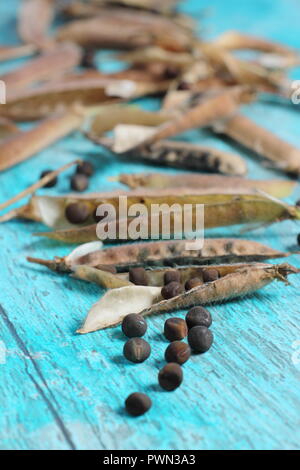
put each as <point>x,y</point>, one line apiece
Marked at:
<point>175,329</point>
<point>138,276</point>
<point>52,182</point>
<point>79,182</point>
<point>77,212</point>
<point>137,404</point>
<point>210,275</point>
<point>134,325</point>
<point>136,350</point>
<point>171,290</point>
<point>170,376</point>
<point>194,282</point>
<point>200,339</point>
<point>85,168</point>
<point>171,276</point>
<point>198,316</point>
<point>178,352</point>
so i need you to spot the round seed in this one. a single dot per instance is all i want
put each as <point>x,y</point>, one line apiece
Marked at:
<point>137,404</point>
<point>175,329</point>
<point>210,275</point>
<point>170,376</point>
<point>200,339</point>
<point>194,282</point>
<point>85,168</point>
<point>136,350</point>
<point>77,212</point>
<point>178,352</point>
<point>198,316</point>
<point>171,276</point>
<point>171,290</point>
<point>138,276</point>
<point>134,325</point>
<point>79,182</point>
<point>52,182</point>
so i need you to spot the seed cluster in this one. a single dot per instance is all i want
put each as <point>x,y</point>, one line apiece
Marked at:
<point>195,327</point>
<point>78,182</point>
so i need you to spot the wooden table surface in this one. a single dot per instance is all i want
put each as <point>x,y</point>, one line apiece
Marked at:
<point>60,390</point>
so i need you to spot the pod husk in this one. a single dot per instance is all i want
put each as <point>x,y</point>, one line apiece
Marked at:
<point>14,52</point>
<point>34,20</point>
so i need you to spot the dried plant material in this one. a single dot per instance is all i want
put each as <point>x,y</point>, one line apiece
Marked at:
<point>240,283</point>
<point>23,145</point>
<point>276,188</point>
<point>181,155</point>
<point>116,304</point>
<point>82,250</point>
<point>102,278</point>
<point>34,20</point>
<point>243,130</point>
<point>7,127</point>
<point>157,55</point>
<point>162,253</point>
<point>14,52</point>
<point>47,65</point>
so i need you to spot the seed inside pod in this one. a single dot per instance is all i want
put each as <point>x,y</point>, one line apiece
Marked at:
<point>175,329</point>
<point>51,183</point>
<point>85,168</point>
<point>170,376</point>
<point>198,316</point>
<point>171,290</point>
<point>210,275</point>
<point>200,339</point>
<point>79,182</point>
<point>77,212</point>
<point>171,276</point>
<point>194,282</point>
<point>178,352</point>
<point>136,350</point>
<point>137,404</point>
<point>134,325</point>
<point>138,276</point>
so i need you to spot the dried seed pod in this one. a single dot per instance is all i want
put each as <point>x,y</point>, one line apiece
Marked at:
<point>138,276</point>
<point>137,404</point>
<point>137,350</point>
<point>210,275</point>
<point>200,339</point>
<point>51,183</point>
<point>178,352</point>
<point>170,376</point>
<point>34,19</point>
<point>198,316</point>
<point>103,278</point>
<point>171,276</point>
<point>77,212</point>
<point>175,329</point>
<point>79,182</point>
<point>133,325</point>
<point>194,282</point>
<point>171,290</point>
<point>14,52</point>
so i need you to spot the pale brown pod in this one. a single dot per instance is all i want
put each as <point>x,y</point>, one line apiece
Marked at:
<point>14,52</point>
<point>34,20</point>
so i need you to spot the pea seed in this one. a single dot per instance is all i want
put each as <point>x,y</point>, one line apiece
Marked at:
<point>171,290</point>
<point>77,212</point>
<point>210,275</point>
<point>200,339</point>
<point>137,404</point>
<point>52,182</point>
<point>170,376</point>
<point>175,329</point>
<point>198,316</point>
<point>134,325</point>
<point>79,182</point>
<point>138,276</point>
<point>194,282</point>
<point>178,352</point>
<point>171,276</point>
<point>85,168</point>
<point>136,350</point>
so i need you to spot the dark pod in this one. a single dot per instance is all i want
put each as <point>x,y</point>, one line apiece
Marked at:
<point>136,350</point>
<point>210,275</point>
<point>85,168</point>
<point>194,282</point>
<point>200,339</point>
<point>77,212</point>
<point>79,182</point>
<point>138,276</point>
<point>170,376</point>
<point>171,290</point>
<point>137,404</point>
<point>198,316</point>
<point>178,352</point>
<point>134,325</point>
<point>52,182</point>
<point>171,276</point>
<point>175,329</point>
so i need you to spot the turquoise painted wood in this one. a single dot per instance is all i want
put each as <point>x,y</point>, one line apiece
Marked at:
<point>60,390</point>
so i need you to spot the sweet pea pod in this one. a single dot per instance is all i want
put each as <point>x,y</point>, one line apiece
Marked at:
<point>7,127</point>
<point>34,20</point>
<point>14,52</point>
